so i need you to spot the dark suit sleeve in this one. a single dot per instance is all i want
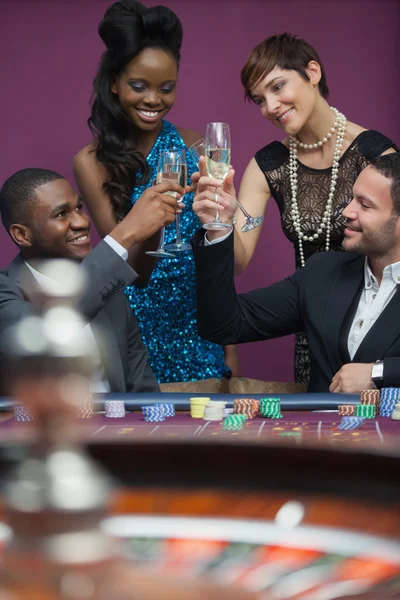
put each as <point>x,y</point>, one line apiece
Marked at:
<point>391,371</point>
<point>224,317</point>
<point>107,274</point>
<point>140,377</point>
<point>13,305</point>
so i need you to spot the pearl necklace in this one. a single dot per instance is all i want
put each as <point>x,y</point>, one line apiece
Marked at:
<point>325,139</point>
<point>340,125</point>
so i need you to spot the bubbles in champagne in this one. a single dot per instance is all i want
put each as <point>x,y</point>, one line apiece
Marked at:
<point>183,175</point>
<point>218,161</point>
<point>176,174</point>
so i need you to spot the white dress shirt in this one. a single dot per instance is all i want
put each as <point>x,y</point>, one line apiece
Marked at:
<point>99,382</point>
<point>374,299</point>
<point>207,242</point>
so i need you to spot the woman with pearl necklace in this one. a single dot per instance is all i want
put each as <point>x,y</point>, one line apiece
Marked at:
<point>311,173</point>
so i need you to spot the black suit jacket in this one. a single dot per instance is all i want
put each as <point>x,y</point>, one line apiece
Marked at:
<point>103,304</point>
<point>321,299</point>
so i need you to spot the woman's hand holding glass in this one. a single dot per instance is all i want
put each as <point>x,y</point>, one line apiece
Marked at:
<point>217,153</point>
<point>171,169</point>
<point>205,201</point>
<point>197,150</point>
<point>175,169</point>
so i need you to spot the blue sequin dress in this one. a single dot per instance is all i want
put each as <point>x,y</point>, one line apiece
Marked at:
<point>166,308</point>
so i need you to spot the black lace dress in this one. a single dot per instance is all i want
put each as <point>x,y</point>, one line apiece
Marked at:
<point>312,194</point>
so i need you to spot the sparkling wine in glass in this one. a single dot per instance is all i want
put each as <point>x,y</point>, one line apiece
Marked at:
<point>164,173</point>
<point>217,146</point>
<point>175,169</point>
<point>196,150</point>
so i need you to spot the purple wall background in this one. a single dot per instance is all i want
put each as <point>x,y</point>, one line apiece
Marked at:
<point>50,50</point>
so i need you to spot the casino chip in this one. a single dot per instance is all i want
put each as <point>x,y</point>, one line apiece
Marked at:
<point>371,397</point>
<point>153,414</point>
<point>367,411</point>
<point>234,422</point>
<point>169,409</point>
<point>389,399</point>
<point>22,414</point>
<point>86,410</point>
<point>246,406</point>
<point>347,410</point>
<point>158,412</point>
<point>270,408</point>
<point>349,423</point>
<point>115,409</point>
<point>396,412</point>
<point>214,410</point>
<point>197,406</point>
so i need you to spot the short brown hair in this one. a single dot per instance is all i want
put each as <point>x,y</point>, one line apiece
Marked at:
<point>388,165</point>
<point>286,51</point>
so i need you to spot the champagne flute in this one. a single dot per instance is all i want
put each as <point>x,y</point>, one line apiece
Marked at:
<point>161,252</point>
<point>217,146</point>
<point>196,150</point>
<point>175,169</point>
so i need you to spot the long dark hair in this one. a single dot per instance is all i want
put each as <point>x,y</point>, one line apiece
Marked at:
<point>127,28</point>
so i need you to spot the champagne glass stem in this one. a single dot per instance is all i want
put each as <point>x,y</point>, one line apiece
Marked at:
<point>217,204</point>
<point>161,250</point>
<point>244,211</point>
<point>161,245</point>
<point>178,230</point>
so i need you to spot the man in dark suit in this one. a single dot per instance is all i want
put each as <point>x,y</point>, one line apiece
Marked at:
<point>347,303</point>
<point>43,215</point>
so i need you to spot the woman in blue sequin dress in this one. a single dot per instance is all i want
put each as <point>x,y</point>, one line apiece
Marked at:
<point>135,88</point>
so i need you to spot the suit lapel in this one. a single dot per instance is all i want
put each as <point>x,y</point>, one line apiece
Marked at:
<point>102,327</point>
<point>381,335</point>
<point>20,273</point>
<point>109,350</point>
<point>346,326</point>
<point>343,290</point>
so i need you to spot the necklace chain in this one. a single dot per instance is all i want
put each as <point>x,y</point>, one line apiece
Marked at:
<point>340,127</point>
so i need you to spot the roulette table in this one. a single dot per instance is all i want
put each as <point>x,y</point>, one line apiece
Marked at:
<point>284,508</point>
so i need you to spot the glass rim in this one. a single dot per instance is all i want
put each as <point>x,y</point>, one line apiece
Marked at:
<point>179,155</point>
<point>177,151</point>
<point>197,143</point>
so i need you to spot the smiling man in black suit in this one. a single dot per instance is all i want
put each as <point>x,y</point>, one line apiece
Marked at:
<point>348,303</point>
<point>44,216</point>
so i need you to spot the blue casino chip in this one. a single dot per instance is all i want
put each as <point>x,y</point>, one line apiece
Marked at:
<point>349,423</point>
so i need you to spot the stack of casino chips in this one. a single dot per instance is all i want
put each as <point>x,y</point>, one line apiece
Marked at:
<point>197,406</point>
<point>168,408</point>
<point>22,414</point>
<point>214,410</point>
<point>153,414</point>
<point>396,412</point>
<point>234,422</point>
<point>270,408</point>
<point>367,411</point>
<point>389,399</point>
<point>115,409</point>
<point>245,406</point>
<point>350,422</point>
<point>86,409</point>
<point>158,412</point>
<point>371,398</point>
<point>347,410</point>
